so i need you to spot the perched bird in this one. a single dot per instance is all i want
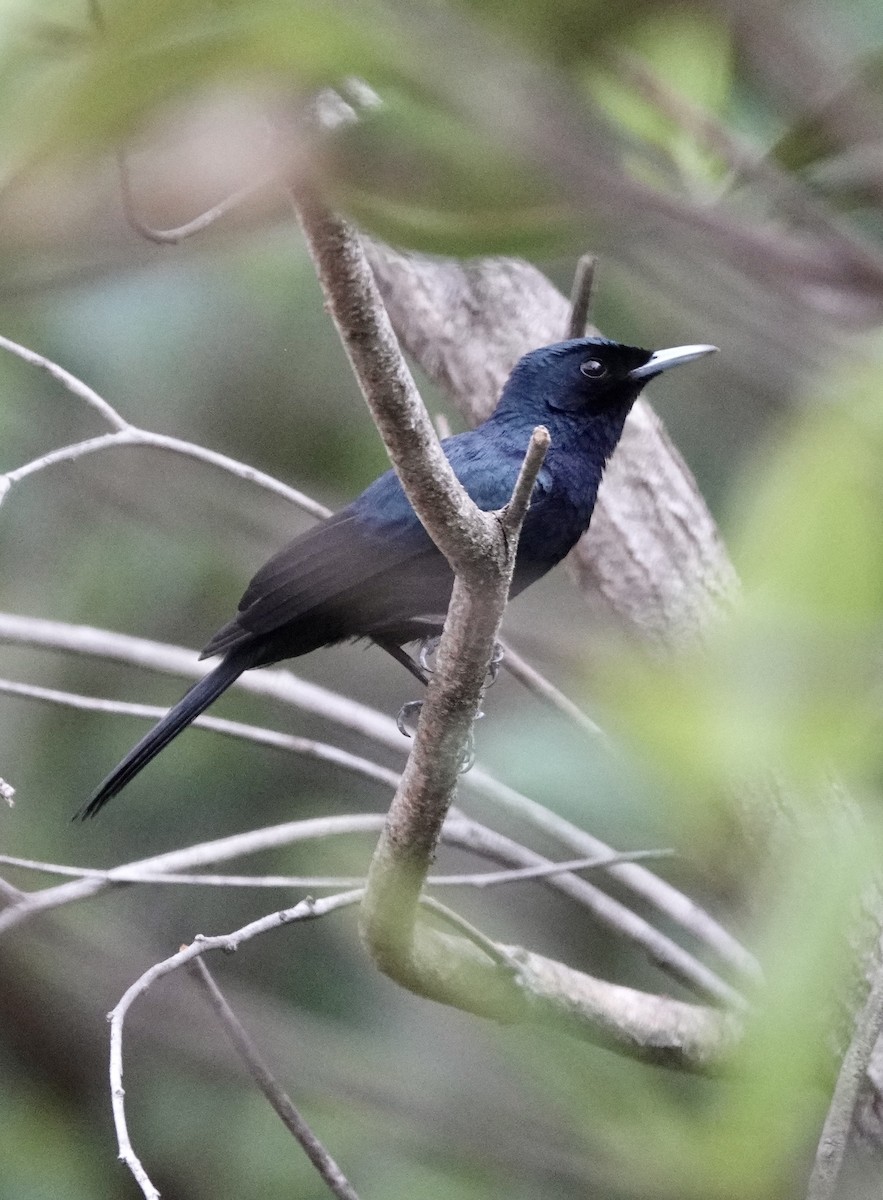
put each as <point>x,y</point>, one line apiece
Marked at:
<point>372,571</point>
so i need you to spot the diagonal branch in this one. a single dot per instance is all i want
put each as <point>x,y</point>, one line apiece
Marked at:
<point>327,1168</point>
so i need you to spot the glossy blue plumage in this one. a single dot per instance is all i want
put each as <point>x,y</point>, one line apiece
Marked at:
<point>372,571</point>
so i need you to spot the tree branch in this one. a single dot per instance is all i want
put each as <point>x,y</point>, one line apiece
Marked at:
<point>329,1171</point>
<point>410,954</point>
<point>289,689</point>
<point>839,1121</point>
<point>306,910</point>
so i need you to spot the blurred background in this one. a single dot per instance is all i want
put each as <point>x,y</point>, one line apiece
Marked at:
<point>725,162</point>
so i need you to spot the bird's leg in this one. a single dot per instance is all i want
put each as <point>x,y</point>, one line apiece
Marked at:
<point>418,670</point>
<point>428,647</point>
<point>413,706</point>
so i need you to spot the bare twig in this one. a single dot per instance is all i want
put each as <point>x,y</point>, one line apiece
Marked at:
<point>131,436</point>
<point>307,747</point>
<point>839,1121</point>
<point>328,1169</point>
<point>127,434</point>
<point>220,850</point>
<point>171,237</point>
<point>10,893</point>
<point>495,952</point>
<point>520,669</point>
<point>175,660</point>
<point>288,688</point>
<point>75,386</point>
<point>581,296</point>
<point>475,879</point>
<point>660,949</point>
<point>305,910</point>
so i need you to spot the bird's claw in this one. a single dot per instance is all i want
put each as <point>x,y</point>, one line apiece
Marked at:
<point>467,762</point>
<point>428,649</point>
<point>494,665</point>
<point>413,706</point>
<point>406,711</point>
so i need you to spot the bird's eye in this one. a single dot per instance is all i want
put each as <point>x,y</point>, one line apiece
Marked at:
<point>593,368</point>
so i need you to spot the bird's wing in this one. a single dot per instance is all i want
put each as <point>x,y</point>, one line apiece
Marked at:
<point>340,579</point>
<point>370,569</point>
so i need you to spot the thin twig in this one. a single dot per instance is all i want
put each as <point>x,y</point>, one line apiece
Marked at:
<point>127,434</point>
<point>659,948</point>
<point>220,850</point>
<point>381,729</point>
<point>306,747</point>
<point>132,436</point>
<point>839,1121</point>
<point>171,237</point>
<point>513,514</point>
<point>495,952</point>
<point>166,236</point>
<point>10,893</point>
<point>485,879</point>
<point>75,386</point>
<point>659,893</point>
<point>526,674</point>
<point>305,910</point>
<point>581,296</point>
<point>475,879</point>
<point>326,1166</point>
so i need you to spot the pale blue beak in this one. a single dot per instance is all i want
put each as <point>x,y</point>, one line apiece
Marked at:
<point>663,359</point>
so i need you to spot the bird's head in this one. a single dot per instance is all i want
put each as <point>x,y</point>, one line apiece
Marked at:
<point>586,377</point>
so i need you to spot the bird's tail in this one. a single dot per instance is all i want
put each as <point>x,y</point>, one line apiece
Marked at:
<point>188,708</point>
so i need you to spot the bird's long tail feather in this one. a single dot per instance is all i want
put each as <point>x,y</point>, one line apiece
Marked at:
<point>188,708</point>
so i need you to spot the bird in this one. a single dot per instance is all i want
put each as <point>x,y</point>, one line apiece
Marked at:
<point>372,571</point>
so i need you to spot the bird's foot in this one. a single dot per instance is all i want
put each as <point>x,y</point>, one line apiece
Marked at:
<point>414,706</point>
<point>407,710</point>
<point>429,649</point>
<point>467,762</point>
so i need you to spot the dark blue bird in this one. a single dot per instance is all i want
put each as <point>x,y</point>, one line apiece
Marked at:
<point>372,571</point>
